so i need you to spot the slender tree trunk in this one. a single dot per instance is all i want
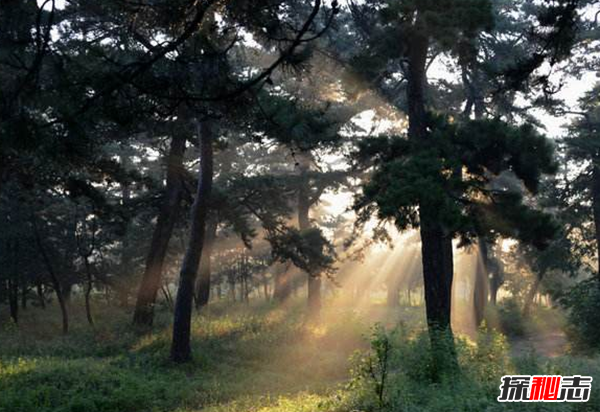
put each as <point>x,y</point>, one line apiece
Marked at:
<point>393,292</point>
<point>232,283</point>
<point>436,243</point>
<point>24,291</point>
<point>304,202</point>
<point>265,283</point>
<point>204,273</point>
<point>13,299</point>
<point>152,278</point>
<point>88,291</point>
<point>40,293</point>
<point>180,347</point>
<point>531,294</point>
<point>480,288</point>
<point>493,294</point>
<point>495,280</point>
<point>53,277</point>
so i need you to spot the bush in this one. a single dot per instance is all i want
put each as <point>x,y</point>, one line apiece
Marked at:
<point>370,372</point>
<point>583,304</point>
<point>409,386</point>
<point>510,316</point>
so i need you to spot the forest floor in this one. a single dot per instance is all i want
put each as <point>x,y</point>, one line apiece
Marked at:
<point>246,359</point>
<point>550,344</point>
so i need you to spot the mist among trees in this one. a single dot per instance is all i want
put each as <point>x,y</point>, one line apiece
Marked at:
<point>355,205</point>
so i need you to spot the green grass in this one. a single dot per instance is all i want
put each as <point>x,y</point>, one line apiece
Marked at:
<point>244,358</point>
<point>257,358</point>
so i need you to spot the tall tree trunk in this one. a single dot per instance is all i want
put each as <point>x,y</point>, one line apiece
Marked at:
<point>13,298</point>
<point>437,253</point>
<point>152,278</point>
<point>480,288</point>
<point>496,277</point>
<point>471,78</point>
<point>180,347</point>
<point>436,243</point>
<point>530,298</point>
<point>122,283</point>
<point>204,273</point>
<point>265,283</point>
<point>40,293</point>
<point>24,291</point>
<point>494,291</point>
<point>53,277</point>
<point>393,292</point>
<point>67,291</point>
<point>88,290</point>
<point>231,281</point>
<point>304,203</point>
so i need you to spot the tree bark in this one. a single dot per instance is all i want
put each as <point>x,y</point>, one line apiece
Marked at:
<point>304,203</point>
<point>180,347</point>
<point>495,278</point>
<point>88,290</point>
<point>530,298</point>
<point>437,254</point>
<point>40,293</point>
<point>152,278</point>
<point>203,284</point>
<point>393,292</point>
<point>436,243</point>
<point>481,285</point>
<point>265,283</point>
<point>53,277</point>
<point>13,299</point>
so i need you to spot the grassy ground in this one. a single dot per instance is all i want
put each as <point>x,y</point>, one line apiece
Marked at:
<point>241,362</point>
<point>260,358</point>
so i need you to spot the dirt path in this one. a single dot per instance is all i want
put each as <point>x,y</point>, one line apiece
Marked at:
<point>549,344</point>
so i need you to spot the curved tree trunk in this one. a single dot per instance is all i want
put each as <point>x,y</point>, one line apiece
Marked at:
<point>88,291</point>
<point>530,298</point>
<point>204,273</point>
<point>151,280</point>
<point>53,277</point>
<point>180,347</point>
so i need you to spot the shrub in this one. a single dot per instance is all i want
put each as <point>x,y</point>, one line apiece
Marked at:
<point>583,304</point>
<point>511,319</point>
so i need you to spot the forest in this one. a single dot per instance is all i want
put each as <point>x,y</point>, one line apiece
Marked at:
<point>297,206</point>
